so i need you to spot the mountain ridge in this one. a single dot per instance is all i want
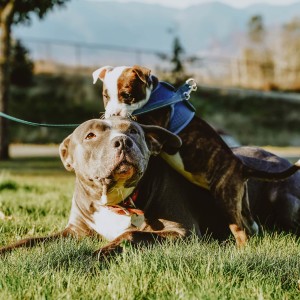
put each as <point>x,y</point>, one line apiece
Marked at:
<point>148,26</point>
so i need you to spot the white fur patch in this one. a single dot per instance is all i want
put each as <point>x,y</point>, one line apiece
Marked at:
<point>298,163</point>
<point>109,224</point>
<point>111,83</point>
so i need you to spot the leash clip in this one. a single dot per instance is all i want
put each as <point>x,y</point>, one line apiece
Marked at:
<point>187,95</point>
<point>192,88</point>
<point>192,83</point>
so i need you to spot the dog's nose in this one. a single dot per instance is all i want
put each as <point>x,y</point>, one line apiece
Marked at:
<point>122,143</point>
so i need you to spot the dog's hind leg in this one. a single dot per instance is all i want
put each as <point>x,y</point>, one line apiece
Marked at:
<point>30,242</point>
<point>229,196</point>
<point>247,218</point>
<point>287,213</point>
<point>135,238</point>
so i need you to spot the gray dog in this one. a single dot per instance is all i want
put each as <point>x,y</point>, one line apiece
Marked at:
<point>111,161</point>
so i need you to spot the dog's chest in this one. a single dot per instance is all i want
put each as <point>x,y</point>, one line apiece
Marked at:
<point>176,163</point>
<point>109,224</point>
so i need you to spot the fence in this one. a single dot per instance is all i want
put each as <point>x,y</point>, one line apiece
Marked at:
<point>62,56</point>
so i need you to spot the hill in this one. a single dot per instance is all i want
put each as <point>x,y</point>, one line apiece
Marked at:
<point>201,27</point>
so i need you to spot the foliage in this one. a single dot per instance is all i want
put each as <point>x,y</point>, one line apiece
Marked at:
<point>13,12</point>
<point>24,9</point>
<point>252,120</point>
<point>256,29</point>
<point>73,99</point>
<point>270,59</point>
<point>176,58</point>
<point>268,268</point>
<point>60,99</point>
<point>21,66</point>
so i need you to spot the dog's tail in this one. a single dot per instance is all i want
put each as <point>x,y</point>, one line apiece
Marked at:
<point>272,176</point>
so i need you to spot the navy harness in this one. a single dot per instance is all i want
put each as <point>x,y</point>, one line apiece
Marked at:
<point>163,95</point>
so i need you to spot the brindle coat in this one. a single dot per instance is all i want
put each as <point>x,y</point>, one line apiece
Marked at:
<point>204,157</point>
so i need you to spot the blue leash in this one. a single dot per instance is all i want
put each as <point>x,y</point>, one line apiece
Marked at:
<point>3,115</point>
<point>181,95</point>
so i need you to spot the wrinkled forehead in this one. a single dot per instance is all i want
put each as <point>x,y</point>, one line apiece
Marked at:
<point>118,124</point>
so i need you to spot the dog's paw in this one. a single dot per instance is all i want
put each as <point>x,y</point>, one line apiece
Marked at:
<point>107,252</point>
<point>254,229</point>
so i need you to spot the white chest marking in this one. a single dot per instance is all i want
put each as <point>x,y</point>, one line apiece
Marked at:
<point>109,224</point>
<point>176,163</point>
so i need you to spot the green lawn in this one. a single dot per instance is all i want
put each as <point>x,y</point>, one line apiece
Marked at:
<point>36,194</point>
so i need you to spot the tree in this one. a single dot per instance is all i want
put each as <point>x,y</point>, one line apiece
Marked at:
<point>13,12</point>
<point>256,29</point>
<point>289,59</point>
<point>21,66</point>
<point>176,56</point>
<point>257,68</point>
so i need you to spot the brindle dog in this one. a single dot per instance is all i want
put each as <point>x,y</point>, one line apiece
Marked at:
<point>204,158</point>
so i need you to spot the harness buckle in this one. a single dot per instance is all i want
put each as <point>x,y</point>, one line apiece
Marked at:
<point>187,95</point>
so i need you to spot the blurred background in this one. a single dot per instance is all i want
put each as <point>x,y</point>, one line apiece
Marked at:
<point>244,55</point>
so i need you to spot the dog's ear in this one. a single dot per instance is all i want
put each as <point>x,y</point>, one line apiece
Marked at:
<point>100,73</point>
<point>143,73</point>
<point>159,139</point>
<point>65,154</point>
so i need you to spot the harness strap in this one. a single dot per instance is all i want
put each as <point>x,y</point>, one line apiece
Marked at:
<point>182,94</point>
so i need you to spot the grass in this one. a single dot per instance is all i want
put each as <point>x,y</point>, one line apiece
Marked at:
<point>36,194</point>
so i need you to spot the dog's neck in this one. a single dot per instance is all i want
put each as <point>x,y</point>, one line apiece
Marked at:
<point>92,196</point>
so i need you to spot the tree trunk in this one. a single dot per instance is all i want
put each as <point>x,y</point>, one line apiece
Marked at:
<point>6,19</point>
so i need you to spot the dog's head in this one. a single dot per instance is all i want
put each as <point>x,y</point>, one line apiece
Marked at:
<point>125,89</point>
<point>113,154</point>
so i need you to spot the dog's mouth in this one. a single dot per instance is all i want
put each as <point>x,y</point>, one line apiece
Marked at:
<point>124,170</point>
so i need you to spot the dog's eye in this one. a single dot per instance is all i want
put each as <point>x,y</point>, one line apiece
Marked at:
<point>106,96</point>
<point>89,136</point>
<point>133,131</point>
<point>126,96</point>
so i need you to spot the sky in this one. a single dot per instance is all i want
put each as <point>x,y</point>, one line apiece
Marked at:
<point>185,3</point>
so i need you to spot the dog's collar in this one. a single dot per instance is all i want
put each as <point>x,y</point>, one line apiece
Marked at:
<point>130,201</point>
<point>163,95</point>
<point>127,206</point>
<point>128,209</point>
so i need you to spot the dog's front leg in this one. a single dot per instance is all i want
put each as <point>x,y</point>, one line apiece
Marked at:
<point>135,238</point>
<point>30,242</point>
